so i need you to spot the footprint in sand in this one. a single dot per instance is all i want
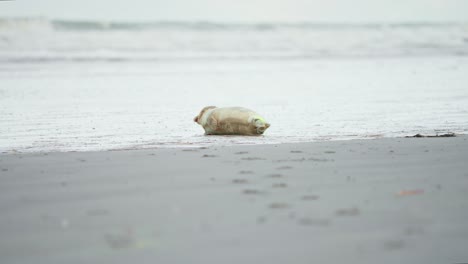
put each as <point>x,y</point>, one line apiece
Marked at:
<point>279,185</point>
<point>208,156</point>
<point>411,231</point>
<point>348,212</point>
<point>190,150</point>
<point>310,197</point>
<point>246,172</point>
<point>261,219</point>
<point>319,160</point>
<point>240,181</point>
<point>97,212</point>
<point>251,191</point>
<point>120,240</point>
<point>241,152</point>
<point>394,244</point>
<point>279,206</point>
<point>296,151</point>
<point>314,221</point>
<point>252,158</point>
<point>284,168</point>
<point>275,175</point>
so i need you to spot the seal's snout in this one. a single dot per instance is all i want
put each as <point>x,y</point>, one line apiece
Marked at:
<point>195,119</point>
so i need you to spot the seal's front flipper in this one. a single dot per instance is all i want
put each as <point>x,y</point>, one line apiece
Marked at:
<point>212,126</point>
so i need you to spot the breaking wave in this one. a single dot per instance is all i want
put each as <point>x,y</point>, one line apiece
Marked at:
<point>40,40</point>
<point>90,25</point>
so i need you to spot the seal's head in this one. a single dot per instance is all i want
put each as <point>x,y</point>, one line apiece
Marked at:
<point>198,118</point>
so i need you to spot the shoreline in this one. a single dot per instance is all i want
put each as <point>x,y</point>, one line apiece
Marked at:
<point>224,144</point>
<point>361,102</point>
<point>360,201</point>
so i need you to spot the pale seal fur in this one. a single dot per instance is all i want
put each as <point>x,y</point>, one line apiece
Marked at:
<point>231,121</point>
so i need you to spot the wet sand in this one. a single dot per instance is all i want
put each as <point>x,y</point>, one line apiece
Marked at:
<point>401,200</point>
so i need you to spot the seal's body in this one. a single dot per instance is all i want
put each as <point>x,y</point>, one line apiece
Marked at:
<point>231,121</point>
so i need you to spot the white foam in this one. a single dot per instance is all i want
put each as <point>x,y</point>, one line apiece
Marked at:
<point>102,106</point>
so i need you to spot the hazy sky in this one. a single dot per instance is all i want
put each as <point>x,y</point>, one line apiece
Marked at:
<point>243,10</point>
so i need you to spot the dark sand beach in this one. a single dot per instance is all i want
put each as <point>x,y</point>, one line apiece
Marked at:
<point>400,200</point>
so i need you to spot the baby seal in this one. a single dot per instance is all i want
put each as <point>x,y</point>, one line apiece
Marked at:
<point>231,121</point>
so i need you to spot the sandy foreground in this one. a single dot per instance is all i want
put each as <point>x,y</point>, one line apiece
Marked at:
<point>402,200</point>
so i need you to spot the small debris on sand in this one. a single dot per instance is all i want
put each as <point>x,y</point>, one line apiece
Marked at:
<point>410,192</point>
<point>432,136</point>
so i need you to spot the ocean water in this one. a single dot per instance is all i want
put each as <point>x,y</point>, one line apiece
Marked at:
<point>87,85</point>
